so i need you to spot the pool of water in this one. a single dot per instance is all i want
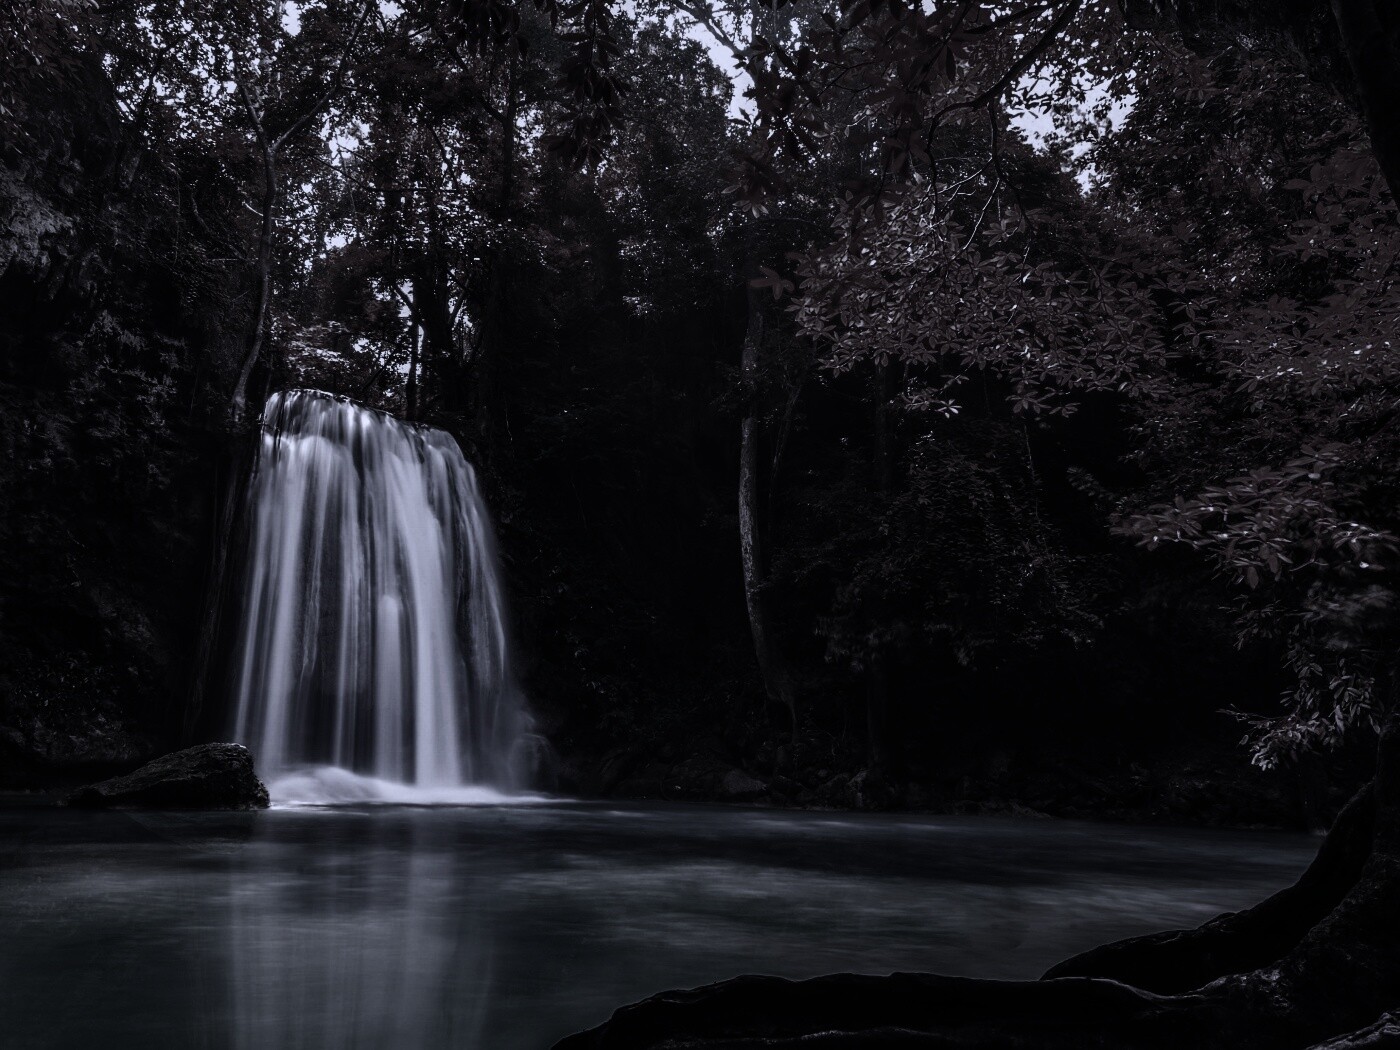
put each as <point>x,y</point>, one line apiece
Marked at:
<point>507,927</point>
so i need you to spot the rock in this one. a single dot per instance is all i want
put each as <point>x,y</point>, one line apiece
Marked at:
<point>209,776</point>
<point>870,791</point>
<point>835,793</point>
<point>739,785</point>
<point>66,741</point>
<point>784,787</point>
<point>617,766</point>
<point>1383,1035</point>
<point>1017,809</point>
<point>697,779</point>
<point>932,1012</point>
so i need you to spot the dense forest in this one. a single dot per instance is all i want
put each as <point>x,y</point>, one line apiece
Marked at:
<point>962,407</point>
<point>946,427</point>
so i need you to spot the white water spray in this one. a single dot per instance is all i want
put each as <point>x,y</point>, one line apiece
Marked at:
<point>373,634</point>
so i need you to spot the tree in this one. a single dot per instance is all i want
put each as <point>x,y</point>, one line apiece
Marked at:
<point>1316,962</point>
<point>1349,43</point>
<point>735,27</point>
<point>904,277</point>
<point>116,307</point>
<point>257,76</point>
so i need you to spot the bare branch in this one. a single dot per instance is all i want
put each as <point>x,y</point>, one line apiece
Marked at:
<point>254,117</point>
<point>706,18</point>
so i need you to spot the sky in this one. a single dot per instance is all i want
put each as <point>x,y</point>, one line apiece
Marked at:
<point>1036,126</point>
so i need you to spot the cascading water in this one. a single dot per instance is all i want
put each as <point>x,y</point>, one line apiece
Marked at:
<point>372,635</point>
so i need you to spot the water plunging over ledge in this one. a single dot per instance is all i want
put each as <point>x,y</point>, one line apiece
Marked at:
<point>372,633</point>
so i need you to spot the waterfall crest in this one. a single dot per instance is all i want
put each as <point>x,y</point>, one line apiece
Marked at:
<point>372,634</point>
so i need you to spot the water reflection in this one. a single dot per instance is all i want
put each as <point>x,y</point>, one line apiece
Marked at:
<point>504,928</point>
<point>362,951</point>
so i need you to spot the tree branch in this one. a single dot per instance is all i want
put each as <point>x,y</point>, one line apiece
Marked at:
<point>335,83</point>
<point>1018,68</point>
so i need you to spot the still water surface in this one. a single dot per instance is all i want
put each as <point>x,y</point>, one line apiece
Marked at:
<point>506,927</point>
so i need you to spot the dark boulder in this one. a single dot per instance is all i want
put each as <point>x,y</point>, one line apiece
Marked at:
<point>738,785</point>
<point>209,776</point>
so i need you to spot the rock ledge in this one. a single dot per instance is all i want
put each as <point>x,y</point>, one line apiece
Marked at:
<point>209,776</point>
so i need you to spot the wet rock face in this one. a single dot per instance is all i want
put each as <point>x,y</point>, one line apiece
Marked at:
<point>58,736</point>
<point>209,776</point>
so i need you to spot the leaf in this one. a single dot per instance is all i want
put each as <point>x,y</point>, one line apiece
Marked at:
<point>774,281</point>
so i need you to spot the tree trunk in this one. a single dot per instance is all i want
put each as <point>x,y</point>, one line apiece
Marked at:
<point>494,330</point>
<point>437,359</point>
<point>508,136</point>
<point>1370,31</point>
<point>777,683</point>
<point>485,394</point>
<point>877,718</point>
<point>238,402</point>
<point>411,388</point>
<point>877,689</point>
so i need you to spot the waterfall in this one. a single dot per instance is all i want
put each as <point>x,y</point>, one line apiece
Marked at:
<point>372,634</point>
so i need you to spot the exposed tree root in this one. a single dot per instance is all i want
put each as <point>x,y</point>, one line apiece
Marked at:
<point>1383,1035</point>
<point>927,1011</point>
<point>1236,942</point>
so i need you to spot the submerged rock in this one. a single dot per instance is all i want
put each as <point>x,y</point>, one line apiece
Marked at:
<point>209,776</point>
